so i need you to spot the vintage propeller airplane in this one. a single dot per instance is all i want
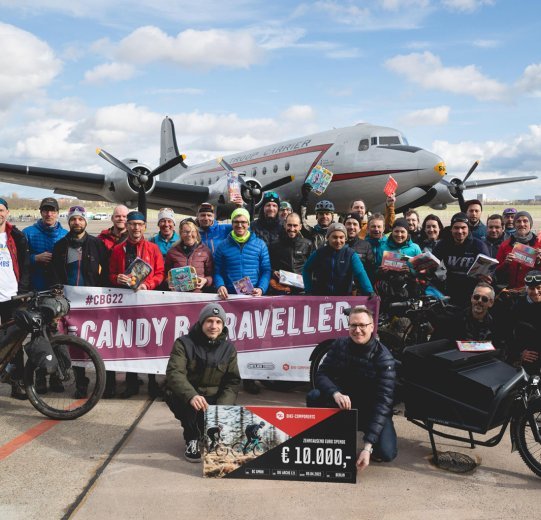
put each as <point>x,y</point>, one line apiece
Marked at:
<point>361,157</point>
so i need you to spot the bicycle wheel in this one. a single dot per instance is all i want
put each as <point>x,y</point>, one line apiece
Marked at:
<point>238,448</point>
<point>75,388</point>
<point>314,366</point>
<point>528,447</point>
<point>260,448</point>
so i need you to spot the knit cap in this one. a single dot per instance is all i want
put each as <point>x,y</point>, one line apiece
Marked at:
<point>212,310</point>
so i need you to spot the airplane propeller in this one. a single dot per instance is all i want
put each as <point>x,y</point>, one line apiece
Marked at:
<point>457,186</point>
<point>252,190</point>
<point>141,177</point>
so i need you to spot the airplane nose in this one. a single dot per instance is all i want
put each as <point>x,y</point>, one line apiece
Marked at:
<point>432,167</point>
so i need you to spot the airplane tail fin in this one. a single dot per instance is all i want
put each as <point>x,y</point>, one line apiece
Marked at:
<point>169,150</point>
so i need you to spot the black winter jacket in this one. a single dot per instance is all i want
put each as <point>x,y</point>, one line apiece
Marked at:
<point>290,254</point>
<point>366,254</point>
<point>366,373</point>
<point>95,262</point>
<point>267,229</point>
<point>458,258</point>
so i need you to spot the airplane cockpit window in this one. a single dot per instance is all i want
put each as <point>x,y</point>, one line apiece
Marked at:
<point>373,141</point>
<point>387,140</point>
<point>363,145</point>
<point>405,141</point>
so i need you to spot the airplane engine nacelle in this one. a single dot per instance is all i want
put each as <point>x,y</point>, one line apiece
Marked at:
<point>443,196</point>
<point>225,208</point>
<point>123,188</point>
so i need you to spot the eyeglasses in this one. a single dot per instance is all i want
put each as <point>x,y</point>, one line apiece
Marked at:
<point>240,222</point>
<point>530,278</point>
<point>76,208</point>
<point>362,326</point>
<point>483,298</point>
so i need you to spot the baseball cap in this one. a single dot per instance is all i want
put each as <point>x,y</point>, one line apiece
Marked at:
<point>49,202</point>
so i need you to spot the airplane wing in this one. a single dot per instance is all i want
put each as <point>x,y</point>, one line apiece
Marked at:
<point>113,187</point>
<point>495,182</point>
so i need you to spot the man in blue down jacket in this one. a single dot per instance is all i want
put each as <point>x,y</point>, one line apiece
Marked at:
<point>359,373</point>
<point>241,255</point>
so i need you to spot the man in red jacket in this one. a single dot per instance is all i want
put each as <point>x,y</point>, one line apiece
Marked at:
<point>117,233</point>
<point>122,256</point>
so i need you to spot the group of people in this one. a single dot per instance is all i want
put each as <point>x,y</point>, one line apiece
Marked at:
<point>337,257</point>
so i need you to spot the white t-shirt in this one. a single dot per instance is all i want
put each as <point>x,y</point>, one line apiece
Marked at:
<point>8,281</point>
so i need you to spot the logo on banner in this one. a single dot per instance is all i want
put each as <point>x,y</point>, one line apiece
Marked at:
<point>285,366</point>
<point>280,415</point>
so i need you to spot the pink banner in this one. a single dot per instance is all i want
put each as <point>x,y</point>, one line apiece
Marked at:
<point>136,331</point>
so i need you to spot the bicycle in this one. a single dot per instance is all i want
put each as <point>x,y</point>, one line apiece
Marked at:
<point>219,448</point>
<point>75,369</point>
<point>255,446</point>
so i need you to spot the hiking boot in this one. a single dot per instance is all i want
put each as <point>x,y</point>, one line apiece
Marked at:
<point>192,453</point>
<point>40,382</point>
<point>55,385</point>
<point>18,392</point>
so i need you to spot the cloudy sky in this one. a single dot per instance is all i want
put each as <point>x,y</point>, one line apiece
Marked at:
<point>461,78</point>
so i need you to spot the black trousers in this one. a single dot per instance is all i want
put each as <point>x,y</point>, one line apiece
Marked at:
<point>6,313</point>
<point>193,421</point>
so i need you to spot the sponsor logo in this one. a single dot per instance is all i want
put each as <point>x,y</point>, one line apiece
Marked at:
<point>280,415</point>
<point>260,366</point>
<point>285,366</point>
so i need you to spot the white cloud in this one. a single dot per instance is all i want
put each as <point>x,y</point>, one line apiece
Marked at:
<point>27,64</point>
<point>395,5</point>
<point>427,70</point>
<point>187,91</point>
<point>427,116</point>
<point>530,82</point>
<point>108,72</point>
<point>486,44</point>
<point>192,48</point>
<point>299,113</point>
<point>466,5</point>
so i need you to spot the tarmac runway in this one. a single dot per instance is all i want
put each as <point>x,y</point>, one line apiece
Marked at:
<point>125,460</point>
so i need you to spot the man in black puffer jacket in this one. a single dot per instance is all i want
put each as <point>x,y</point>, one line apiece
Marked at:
<point>359,373</point>
<point>268,225</point>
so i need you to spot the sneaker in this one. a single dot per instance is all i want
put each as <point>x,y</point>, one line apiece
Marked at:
<point>192,453</point>
<point>18,392</point>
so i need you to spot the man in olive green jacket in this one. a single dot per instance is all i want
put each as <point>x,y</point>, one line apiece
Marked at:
<point>202,370</point>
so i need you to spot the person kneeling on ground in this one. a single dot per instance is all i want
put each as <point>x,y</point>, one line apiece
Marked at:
<point>359,373</point>
<point>202,370</point>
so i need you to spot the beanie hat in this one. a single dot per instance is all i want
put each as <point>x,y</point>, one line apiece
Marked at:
<point>519,214</point>
<point>285,205</point>
<point>271,196</point>
<point>4,202</point>
<point>212,310</point>
<point>240,211</point>
<point>354,216</point>
<point>166,213</point>
<point>509,211</point>
<point>460,217</point>
<point>401,222</point>
<point>135,215</point>
<point>336,227</point>
<point>206,207</point>
<point>76,211</point>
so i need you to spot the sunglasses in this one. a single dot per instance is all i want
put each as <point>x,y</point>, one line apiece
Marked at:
<point>531,278</point>
<point>483,298</point>
<point>76,208</point>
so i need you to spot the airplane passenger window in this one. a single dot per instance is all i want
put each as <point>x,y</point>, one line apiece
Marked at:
<point>374,141</point>
<point>217,178</point>
<point>389,139</point>
<point>363,145</point>
<point>254,172</point>
<point>210,181</point>
<point>264,170</point>
<point>287,166</point>
<point>202,182</point>
<point>275,168</point>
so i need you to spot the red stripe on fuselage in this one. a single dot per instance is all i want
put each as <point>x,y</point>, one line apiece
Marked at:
<point>358,175</point>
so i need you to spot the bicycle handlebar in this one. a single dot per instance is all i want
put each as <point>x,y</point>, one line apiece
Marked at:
<point>419,302</point>
<point>53,291</point>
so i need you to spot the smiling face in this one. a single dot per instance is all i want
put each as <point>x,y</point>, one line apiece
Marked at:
<point>118,218</point>
<point>375,228</point>
<point>534,293</point>
<point>494,228</point>
<point>293,226</point>
<point>212,327</point>
<point>167,227</point>
<point>432,229</point>
<point>353,227</point>
<point>188,235</point>
<point>400,234</point>
<point>240,226</point>
<point>205,219</point>
<point>77,225</point>
<point>337,240</point>
<point>324,218</point>
<point>359,207</point>
<point>522,225</point>
<point>459,232</point>
<point>270,209</point>
<point>508,220</point>
<point>361,327</point>
<point>413,222</point>
<point>481,300</point>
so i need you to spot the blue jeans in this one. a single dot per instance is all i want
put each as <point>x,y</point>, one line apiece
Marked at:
<point>386,449</point>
